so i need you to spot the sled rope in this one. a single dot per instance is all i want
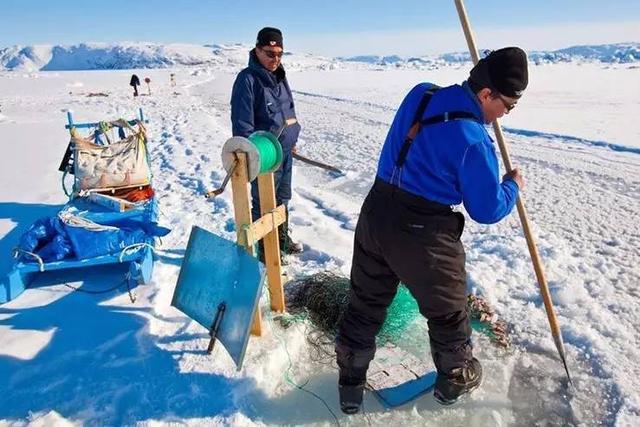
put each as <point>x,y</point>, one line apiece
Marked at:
<point>78,221</point>
<point>134,247</point>
<point>64,187</point>
<point>17,251</point>
<point>127,281</point>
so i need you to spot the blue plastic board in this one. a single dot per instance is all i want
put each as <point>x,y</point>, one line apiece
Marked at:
<point>396,376</point>
<point>399,395</point>
<point>215,270</point>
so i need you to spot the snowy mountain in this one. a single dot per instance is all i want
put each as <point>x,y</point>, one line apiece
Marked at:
<point>374,59</point>
<point>608,53</point>
<point>101,56</point>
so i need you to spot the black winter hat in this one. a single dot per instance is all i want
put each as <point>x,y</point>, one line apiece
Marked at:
<point>269,36</point>
<point>504,70</point>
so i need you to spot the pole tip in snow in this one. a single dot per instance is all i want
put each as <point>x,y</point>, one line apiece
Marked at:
<point>566,369</point>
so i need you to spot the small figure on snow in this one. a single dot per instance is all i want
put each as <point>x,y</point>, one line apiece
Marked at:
<point>135,82</point>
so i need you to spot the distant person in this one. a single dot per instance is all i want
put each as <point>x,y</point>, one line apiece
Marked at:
<point>437,154</point>
<point>261,100</point>
<point>135,82</point>
<point>172,78</point>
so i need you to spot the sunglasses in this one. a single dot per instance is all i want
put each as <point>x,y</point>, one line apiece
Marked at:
<point>507,105</point>
<point>272,54</point>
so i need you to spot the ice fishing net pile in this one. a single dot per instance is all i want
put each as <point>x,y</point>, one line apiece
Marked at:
<point>322,299</point>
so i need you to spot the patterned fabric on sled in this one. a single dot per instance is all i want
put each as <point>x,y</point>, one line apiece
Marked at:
<point>116,165</point>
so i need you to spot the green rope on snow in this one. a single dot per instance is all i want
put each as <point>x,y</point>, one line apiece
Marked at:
<point>286,374</point>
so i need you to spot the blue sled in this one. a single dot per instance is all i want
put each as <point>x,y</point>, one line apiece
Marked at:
<point>23,273</point>
<point>403,393</point>
<point>139,259</point>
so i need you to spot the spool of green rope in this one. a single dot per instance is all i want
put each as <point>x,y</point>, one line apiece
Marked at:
<point>269,150</point>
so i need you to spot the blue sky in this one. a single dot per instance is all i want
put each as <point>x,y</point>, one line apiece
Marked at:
<point>329,27</point>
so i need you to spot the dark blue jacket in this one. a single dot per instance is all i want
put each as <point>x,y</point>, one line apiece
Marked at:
<point>262,100</point>
<point>450,163</point>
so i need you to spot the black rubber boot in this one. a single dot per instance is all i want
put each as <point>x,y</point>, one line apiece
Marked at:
<point>353,366</point>
<point>260,254</point>
<point>351,398</point>
<point>457,382</point>
<point>287,245</point>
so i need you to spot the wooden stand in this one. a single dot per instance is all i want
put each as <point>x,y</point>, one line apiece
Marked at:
<point>266,227</point>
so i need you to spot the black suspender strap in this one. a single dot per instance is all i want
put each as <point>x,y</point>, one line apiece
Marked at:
<point>453,115</point>
<point>415,125</point>
<point>424,102</point>
<point>418,123</point>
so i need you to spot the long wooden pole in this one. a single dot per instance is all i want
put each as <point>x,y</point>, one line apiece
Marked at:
<point>533,250</point>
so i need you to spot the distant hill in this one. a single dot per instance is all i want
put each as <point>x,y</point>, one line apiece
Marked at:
<point>101,56</point>
<point>607,53</point>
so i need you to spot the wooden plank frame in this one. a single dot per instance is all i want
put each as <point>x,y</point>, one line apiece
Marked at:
<point>265,228</point>
<point>268,209</point>
<point>269,220</point>
<point>242,213</point>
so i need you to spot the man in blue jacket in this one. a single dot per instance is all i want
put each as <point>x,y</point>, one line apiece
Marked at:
<point>437,154</point>
<point>261,100</point>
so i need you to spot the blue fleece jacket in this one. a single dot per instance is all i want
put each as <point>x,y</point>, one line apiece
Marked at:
<point>452,162</point>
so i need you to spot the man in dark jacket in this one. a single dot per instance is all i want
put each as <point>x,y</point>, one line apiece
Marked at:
<point>437,154</point>
<point>261,100</point>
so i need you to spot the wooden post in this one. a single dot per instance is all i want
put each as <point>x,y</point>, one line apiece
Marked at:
<point>242,212</point>
<point>271,243</point>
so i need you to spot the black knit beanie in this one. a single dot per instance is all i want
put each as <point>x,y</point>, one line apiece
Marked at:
<point>269,36</point>
<point>503,70</point>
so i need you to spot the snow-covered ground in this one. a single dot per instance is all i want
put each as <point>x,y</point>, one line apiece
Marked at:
<point>70,358</point>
